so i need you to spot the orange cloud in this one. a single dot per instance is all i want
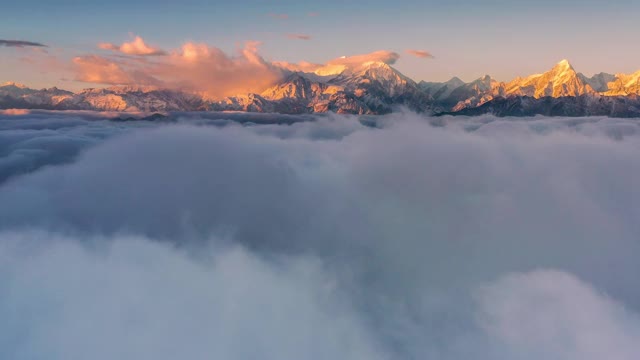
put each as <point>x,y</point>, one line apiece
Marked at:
<point>299,36</point>
<point>99,70</point>
<point>135,47</point>
<point>194,67</point>
<point>15,112</point>
<point>302,66</point>
<point>419,53</point>
<point>204,69</point>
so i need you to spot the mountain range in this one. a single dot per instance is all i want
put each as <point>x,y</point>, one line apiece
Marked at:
<point>372,87</point>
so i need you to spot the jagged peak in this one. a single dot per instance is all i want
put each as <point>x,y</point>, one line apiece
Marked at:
<point>454,81</point>
<point>485,79</point>
<point>563,66</point>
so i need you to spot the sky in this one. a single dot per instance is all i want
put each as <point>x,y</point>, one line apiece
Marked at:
<point>466,38</point>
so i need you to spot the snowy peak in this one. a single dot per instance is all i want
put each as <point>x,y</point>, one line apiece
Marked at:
<point>562,80</point>
<point>563,66</point>
<point>293,87</point>
<point>375,76</point>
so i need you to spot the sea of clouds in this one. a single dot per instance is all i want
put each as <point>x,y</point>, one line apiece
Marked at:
<point>229,236</point>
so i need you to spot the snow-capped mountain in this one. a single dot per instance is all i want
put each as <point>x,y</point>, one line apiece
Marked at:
<point>108,99</point>
<point>560,81</point>
<point>19,96</point>
<point>623,85</point>
<point>598,82</point>
<point>439,91</point>
<point>583,105</point>
<point>371,87</point>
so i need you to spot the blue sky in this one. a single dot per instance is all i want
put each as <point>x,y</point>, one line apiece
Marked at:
<point>467,38</point>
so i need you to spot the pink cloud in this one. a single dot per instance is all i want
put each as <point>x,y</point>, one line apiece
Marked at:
<point>100,70</point>
<point>302,66</point>
<point>299,36</point>
<point>340,64</point>
<point>385,56</point>
<point>135,47</point>
<point>203,69</point>
<point>419,53</point>
<point>193,67</point>
<point>313,14</point>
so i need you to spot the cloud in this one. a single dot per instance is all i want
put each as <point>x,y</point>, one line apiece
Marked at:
<point>313,14</point>
<point>278,16</point>
<point>135,47</point>
<point>100,70</point>
<point>420,53</point>
<point>194,67</point>
<point>340,64</point>
<point>389,235</point>
<point>299,36</point>
<point>20,43</point>
<point>553,314</point>
<point>200,67</point>
<point>174,304</point>
<point>385,56</point>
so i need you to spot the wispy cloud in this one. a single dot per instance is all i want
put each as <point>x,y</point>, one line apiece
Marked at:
<point>20,43</point>
<point>299,36</point>
<point>313,14</point>
<point>135,47</point>
<point>420,53</point>
<point>278,16</point>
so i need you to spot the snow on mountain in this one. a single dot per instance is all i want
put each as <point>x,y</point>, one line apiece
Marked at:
<point>623,85</point>
<point>440,90</point>
<point>560,81</point>
<point>370,87</point>
<point>376,74</point>
<point>599,82</point>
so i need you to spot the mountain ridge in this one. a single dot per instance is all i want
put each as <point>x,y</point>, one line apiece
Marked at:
<point>372,87</point>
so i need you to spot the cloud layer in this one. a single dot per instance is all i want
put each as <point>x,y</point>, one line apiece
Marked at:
<point>392,237</point>
<point>20,43</point>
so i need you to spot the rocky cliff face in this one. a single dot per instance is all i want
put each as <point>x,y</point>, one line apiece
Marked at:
<point>583,105</point>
